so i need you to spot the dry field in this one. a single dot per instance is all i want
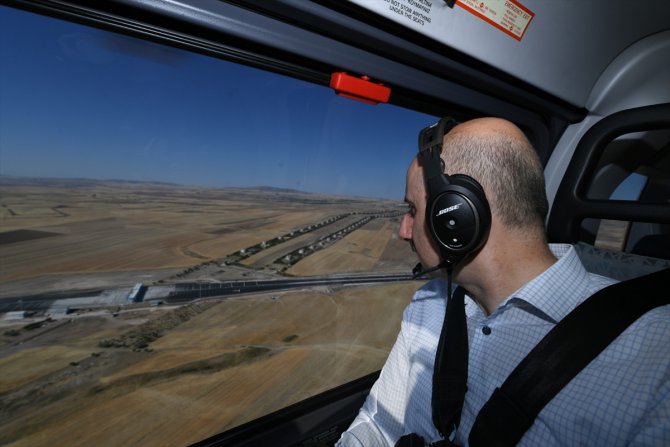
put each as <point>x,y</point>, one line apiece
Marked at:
<point>363,250</point>
<point>231,363</point>
<point>215,364</point>
<point>611,234</point>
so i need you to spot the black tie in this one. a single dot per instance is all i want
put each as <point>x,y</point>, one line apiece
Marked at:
<point>450,374</point>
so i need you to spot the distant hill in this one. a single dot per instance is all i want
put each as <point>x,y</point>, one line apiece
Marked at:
<point>76,182</point>
<point>251,193</point>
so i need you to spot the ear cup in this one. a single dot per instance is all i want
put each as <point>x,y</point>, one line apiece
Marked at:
<point>468,182</point>
<point>458,216</point>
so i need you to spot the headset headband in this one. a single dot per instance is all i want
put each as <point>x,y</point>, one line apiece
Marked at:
<point>430,148</point>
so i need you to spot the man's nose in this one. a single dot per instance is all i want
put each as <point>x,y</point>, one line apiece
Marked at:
<point>405,231</point>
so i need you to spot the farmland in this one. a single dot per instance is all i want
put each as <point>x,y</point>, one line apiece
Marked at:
<point>97,377</point>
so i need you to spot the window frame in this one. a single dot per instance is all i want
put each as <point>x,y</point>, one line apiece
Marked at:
<point>572,205</point>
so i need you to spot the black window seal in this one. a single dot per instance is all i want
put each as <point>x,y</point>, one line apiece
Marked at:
<point>284,427</point>
<point>363,28</point>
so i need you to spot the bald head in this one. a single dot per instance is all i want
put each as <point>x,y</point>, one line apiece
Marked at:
<point>496,153</point>
<point>491,126</point>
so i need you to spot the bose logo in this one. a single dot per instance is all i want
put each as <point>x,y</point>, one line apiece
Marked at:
<point>448,209</point>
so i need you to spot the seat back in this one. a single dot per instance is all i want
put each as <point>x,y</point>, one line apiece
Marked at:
<point>618,265</point>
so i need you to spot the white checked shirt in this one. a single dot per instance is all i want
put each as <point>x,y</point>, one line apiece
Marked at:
<point>621,398</point>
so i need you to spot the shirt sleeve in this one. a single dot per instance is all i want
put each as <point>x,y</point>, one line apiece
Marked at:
<point>380,422</point>
<point>655,429</point>
<point>657,432</point>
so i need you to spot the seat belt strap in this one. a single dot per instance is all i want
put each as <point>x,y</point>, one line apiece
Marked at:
<point>450,373</point>
<point>562,354</point>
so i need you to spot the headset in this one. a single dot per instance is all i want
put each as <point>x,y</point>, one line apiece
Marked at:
<point>457,212</point>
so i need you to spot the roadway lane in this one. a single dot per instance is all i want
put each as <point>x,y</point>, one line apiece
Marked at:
<point>269,255</point>
<point>192,291</point>
<point>41,302</point>
<point>185,292</point>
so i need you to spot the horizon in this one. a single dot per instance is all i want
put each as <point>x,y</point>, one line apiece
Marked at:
<point>181,185</point>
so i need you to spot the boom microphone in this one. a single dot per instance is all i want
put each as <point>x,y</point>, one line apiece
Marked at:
<point>418,270</point>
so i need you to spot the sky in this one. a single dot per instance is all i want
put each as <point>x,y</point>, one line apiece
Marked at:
<point>78,102</point>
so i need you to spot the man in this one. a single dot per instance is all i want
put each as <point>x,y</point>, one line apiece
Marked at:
<point>518,288</point>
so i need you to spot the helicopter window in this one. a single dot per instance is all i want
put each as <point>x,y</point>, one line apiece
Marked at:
<point>633,167</point>
<point>186,243</point>
<point>628,164</point>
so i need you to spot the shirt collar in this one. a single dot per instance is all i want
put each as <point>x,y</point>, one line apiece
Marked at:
<point>555,292</point>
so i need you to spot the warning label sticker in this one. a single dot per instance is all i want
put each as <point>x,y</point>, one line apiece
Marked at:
<point>415,11</point>
<point>433,17</point>
<point>509,16</point>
